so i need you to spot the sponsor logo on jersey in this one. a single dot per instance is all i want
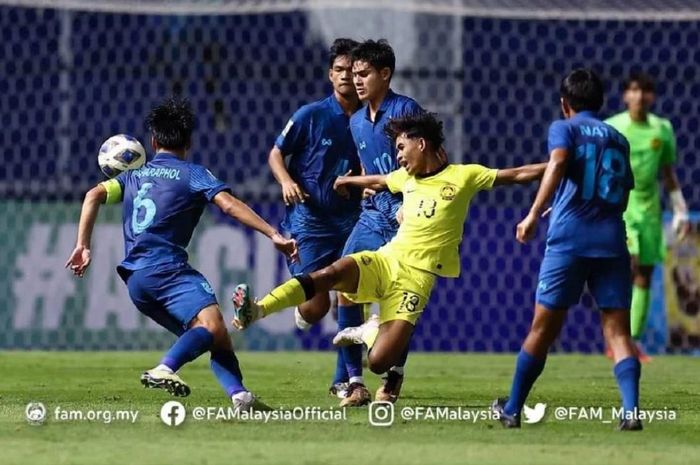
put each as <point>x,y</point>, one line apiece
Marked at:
<point>448,192</point>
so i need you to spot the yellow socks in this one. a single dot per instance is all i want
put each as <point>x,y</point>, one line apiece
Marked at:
<point>289,294</point>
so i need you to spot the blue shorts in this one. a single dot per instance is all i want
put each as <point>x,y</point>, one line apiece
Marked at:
<point>365,237</point>
<point>170,297</point>
<point>562,278</point>
<point>316,252</point>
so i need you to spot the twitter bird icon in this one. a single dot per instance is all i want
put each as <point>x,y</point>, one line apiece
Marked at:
<point>534,415</point>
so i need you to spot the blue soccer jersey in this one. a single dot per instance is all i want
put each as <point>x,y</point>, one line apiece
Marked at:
<point>378,155</point>
<point>318,142</point>
<point>586,218</point>
<point>163,202</point>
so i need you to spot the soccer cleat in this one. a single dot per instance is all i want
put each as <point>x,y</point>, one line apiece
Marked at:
<point>630,425</point>
<point>353,335</point>
<point>391,387</point>
<point>244,401</point>
<point>161,379</point>
<point>508,421</point>
<point>245,311</point>
<point>299,320</point>
<point>339,390</point>
<point>357,396</point>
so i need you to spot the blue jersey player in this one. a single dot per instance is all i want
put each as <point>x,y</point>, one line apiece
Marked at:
<point>590,177</point>
<point>373,65</point>
<point>319,148</point>
<point>163,202</point>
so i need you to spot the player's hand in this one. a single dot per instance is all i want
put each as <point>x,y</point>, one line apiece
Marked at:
<point>368,193</point>
<point>292,193</point>
<point>399,215</point>
<point>526,229</point>
<point>79,260</point>
<point>340,186</point>
<point>286,246</point>
<point>681,226</point>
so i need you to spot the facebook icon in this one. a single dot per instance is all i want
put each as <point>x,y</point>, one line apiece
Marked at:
<point>172,413</point>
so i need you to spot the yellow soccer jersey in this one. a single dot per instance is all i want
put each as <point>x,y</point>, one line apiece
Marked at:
<point>434,211</point>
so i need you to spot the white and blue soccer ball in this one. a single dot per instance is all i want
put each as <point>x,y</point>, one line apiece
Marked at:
<point>120,153</point>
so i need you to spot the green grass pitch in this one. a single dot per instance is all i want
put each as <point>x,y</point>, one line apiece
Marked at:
<point>110,380</point>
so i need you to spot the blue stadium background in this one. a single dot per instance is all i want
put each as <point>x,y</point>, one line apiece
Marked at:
<point>246,74</point>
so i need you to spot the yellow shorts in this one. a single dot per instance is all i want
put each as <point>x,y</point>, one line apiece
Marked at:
<point>401,290</point>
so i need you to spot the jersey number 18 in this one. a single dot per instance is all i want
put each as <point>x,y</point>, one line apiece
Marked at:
<point>607,182</point>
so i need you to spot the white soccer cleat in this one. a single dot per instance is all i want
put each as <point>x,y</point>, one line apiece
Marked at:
<point>167,380</point>
<point>245,310</point>
<point>243,401</point>
<point>299,320</point>
<point>354,335</point>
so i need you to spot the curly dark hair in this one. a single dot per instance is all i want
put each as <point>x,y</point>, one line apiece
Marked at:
<point>423,125</point>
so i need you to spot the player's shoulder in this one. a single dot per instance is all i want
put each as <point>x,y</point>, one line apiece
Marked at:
<point>466,168</point>
<point>311,109</point>
<point>562,125</point>
<point>356,117</point>
<point>618,120</point>
<point>403,105</point>
<point>194,169</point>
<point>456,172</point>
<point>664,124</point>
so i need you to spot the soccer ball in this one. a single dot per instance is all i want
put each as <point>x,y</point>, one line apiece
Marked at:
<point>120,153</point>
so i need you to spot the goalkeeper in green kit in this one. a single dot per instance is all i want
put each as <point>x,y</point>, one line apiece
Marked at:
<point>652,151</point>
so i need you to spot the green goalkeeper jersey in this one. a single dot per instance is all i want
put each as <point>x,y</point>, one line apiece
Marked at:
<point>652,146</point>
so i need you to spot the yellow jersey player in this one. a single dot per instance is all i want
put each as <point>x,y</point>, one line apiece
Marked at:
<point>400,275</point>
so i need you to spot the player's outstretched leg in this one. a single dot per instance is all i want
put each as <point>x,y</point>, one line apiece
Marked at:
<point>190,345</point>
<point>342,276</point>
<point>545,328</point>
<point>627,368</point>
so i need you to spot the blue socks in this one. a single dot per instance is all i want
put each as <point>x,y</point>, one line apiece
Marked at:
<point>341,373</point>
<point>527,369</point>
<point>193,343</point>
<point>225,366</point>
<point>348,317</point>
<point>627,372</point>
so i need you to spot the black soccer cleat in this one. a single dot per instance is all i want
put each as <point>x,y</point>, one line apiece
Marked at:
<point>508,421</point>
<point>632,424</point>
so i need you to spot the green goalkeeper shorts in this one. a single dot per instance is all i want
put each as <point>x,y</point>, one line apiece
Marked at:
<point>645,240</point>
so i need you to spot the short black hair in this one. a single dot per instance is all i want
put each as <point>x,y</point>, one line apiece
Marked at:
<point>341,47</point>
<point>643,80</point>
<point>422,124</point>
<point>583,90</point>
<point>378,53</point>
<point>171,123</point>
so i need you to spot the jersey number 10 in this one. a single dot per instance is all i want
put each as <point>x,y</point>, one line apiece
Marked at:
<point>607,182</point>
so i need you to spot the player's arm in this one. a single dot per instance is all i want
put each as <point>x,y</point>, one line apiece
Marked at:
<point>520,175</point>
<point>245,215</point>
<point>291,192</point>
<point>553,174</point>
<point>681,224</point>
<point>79,259</point>
<point>375,182</point>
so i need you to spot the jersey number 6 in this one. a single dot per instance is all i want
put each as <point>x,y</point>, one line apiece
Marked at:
<point>141,201</point>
